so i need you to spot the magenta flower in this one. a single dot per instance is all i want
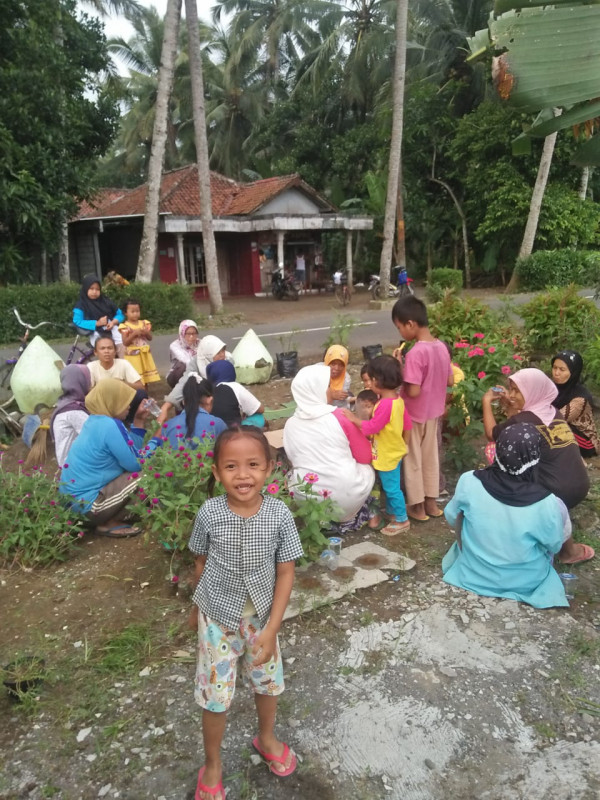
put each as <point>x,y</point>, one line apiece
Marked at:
<point>130,442</point>
<point>517,357</point>
<point>481,375</point>
<point>491,349</point>
<point>181,449</point>
<point>135,474</point>
<point>21,461</point>
<point>479,335</point>
<point>311,477</point>
<point>80,534</point>
<point>65,466</point>
<point>505,370</point>
<point>157,474</point>
<point>175,579</point>
<point>272,488</point>
<point>165,424</point>
<point>461,344</point>
<point>209,454</point>
<point>155,501</point>
<point>52,503</point>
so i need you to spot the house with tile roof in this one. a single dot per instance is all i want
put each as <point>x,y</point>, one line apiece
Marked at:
<point>257,226</point>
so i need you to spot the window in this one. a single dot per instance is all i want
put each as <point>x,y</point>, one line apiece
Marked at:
<point>195,271</point>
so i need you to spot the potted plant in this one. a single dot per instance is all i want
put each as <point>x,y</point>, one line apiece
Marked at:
<point>287,360</point>
<point>23,675</point>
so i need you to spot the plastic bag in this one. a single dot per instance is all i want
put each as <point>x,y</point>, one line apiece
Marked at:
<point>287,364</point>
<point>371,351</point>
<point>253,362</point>
<point>36,376</point>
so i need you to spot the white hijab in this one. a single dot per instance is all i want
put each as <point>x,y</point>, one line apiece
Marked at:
<point>309,390</point>
<point>208,347</point>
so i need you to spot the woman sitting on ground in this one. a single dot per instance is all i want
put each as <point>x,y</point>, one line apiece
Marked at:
<point>98,477</point>
<point>182,350</point>
<point>210,349</point>
<point>508,526</point>
<point>319,439</point>
<point>196,420</point>
<point>574,401</point>
<point>336,358</point>
<point>561,469</point>
<point>67,420</point>
<point>245,409</point>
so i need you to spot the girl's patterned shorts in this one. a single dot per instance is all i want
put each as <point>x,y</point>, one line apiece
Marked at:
<point>217,658</point>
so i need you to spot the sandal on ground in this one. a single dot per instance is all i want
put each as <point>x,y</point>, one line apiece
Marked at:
<point>214,791</point>
<point>394,528</point>
<point>439,513</point>
<point>587,554</point>
<point>419,519</point>
<point>271,759</point>
<point>119,531</point>
<point>381,524</point>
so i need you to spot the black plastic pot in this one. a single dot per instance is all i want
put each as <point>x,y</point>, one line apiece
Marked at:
<point>287,364</point>
<point>24,675</point>
<point>371,351</point>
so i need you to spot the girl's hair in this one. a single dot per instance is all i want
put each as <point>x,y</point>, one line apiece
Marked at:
<point>364,370</point>
<point>106,336</point>
<point>234,433</point>
<point>386,370</point>
<point>193,394</point>
<point>367,396</point>
<point>410,309</point>
<point>131,301</point>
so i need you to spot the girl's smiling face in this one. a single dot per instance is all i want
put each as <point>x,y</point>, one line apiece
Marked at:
<point>516,398</point>
<point>560,372</point>
<point>242,469</point>
<point>94,291</point>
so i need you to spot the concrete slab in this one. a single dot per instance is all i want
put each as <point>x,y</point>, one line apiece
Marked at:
<point>360,566</point>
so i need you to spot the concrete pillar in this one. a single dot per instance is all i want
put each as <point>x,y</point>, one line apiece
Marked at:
<point>180,260</point>
<point>280,256</point>
<point>97,264</point>
<point>349,266</point>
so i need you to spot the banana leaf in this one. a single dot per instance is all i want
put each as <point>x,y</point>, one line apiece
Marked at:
<point>588,155</point>
<point>502,6</point>
<point>575,116</point>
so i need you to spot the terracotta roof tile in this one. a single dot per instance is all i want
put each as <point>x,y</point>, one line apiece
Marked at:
<point>180,196</point>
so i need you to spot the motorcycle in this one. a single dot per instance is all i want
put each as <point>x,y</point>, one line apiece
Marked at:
<point>402,288</point>
<point>283,286</point>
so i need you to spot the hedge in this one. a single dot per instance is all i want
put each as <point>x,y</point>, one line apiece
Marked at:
<point>165,305</point>
<point>546,268</point>
<point>441,279</point>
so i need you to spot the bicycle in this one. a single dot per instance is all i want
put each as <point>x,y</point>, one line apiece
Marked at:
<point>85,353</point>
<point>6,370</point>
<point>342,290</point>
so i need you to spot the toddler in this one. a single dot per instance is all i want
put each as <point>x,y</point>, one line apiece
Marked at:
<point>427,374</point>
<point>364,376</point>
<point>136,334</point>
<point>245,544</point>
<point>389,446</point>
<point>365,404</point>
<point>96,313</point>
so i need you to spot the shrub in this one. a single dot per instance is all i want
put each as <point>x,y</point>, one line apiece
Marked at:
<point>559,268</point>
<point>35,528</point>
<point>455,318</point>
<point>559,318</point>
<point>442,279</point>
<point>165,305</point>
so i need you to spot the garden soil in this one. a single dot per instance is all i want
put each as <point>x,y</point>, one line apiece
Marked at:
<point>411,690</point>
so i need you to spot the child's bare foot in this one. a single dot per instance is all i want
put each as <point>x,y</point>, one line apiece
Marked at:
<point>417,512</point>
<point>279,757</point>
<point>375,522</point>
<point>431,508</point>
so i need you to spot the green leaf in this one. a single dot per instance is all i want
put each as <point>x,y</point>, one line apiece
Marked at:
<point>588,155</point>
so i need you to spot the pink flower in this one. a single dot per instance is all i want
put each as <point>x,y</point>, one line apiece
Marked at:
<point>130,442</point>
<point>272,488</point>
<point>481,375</point>
<point>491,349</point>
<point>181,449</point>
<point>178,427</point>
<point>461,344</point>
<point>80,534</point>
<point>311,477</point>
<point>325,493</point>
<point>479,335</point>
<point>168,474</point>
<point>175,579</point>
<point>155,501</point>
<point>165,424</point>
<point>157,474</point>
<point>52,503</point>
<point>209,454</point>
<point>135,474</point>
<point>505,370</point>
<point>212,422</point>
<point>517,357</point>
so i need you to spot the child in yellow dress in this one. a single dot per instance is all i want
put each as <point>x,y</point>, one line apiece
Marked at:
<point>136,335</point>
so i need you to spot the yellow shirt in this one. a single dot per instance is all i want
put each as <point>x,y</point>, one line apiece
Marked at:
<point>387,427</point>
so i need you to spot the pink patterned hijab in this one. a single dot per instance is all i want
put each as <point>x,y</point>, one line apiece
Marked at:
<point>538,392</point>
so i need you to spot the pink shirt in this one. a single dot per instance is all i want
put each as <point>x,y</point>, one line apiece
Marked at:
<point>360,446</point>
<point>427,365</point>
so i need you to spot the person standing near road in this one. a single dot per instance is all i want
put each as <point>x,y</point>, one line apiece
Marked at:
<point>301,268</point>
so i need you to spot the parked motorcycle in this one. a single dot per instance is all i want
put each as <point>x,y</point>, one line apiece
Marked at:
<point>283,286</point>
<point>402,288</point>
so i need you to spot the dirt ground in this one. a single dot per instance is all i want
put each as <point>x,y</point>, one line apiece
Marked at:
<point>410,690</point>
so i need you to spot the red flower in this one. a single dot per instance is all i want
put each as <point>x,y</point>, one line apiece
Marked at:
<point>157,474</point>
<point>505,370</point>
<point>517,357</point>
<point>491,349</point>
<point>481,375</point>
<point>461,344</point>
<point>479,335</point>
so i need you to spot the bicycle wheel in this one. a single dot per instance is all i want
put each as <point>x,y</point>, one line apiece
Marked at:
<point>376,292</point>
<point>405,290</point>
<point>5,373</point>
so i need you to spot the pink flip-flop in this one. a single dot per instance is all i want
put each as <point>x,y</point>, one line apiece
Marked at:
<point>270,759</point>
<point>213,791</point>
<point>588,553</point>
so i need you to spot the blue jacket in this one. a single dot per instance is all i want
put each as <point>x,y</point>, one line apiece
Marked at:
<point>206,425</point>
<point>103,450</point>
<point>90,324</point>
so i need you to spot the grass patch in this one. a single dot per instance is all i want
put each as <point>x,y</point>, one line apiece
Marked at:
<point>544,729</point>
<point>128,651</point>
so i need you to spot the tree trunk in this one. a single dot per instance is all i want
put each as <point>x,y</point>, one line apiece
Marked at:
<point>147,257</point>
<point>583,184</point>
<point>535,206</point>
<point>389,223</point>
<point>400,229</point>
<point>465,232</point>
<point>208,236</point>
<point>64,272</point>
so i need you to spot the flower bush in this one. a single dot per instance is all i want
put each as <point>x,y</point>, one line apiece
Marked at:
<point>35,527</point>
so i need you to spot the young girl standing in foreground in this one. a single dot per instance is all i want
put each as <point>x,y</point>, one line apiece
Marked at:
<point>245,546</point>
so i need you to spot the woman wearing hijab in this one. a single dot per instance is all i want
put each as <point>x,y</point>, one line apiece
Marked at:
<point>508,525</point>
<point>529,399</point>
<point>574,401</point>
<point>96,313</point>
<point>319,439</point>
<point>67,420</point>
<point>98,477</point>
<point>210,348</point>
<point>182,350</point>
<point>246,409</point>
<point>336,358</point>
